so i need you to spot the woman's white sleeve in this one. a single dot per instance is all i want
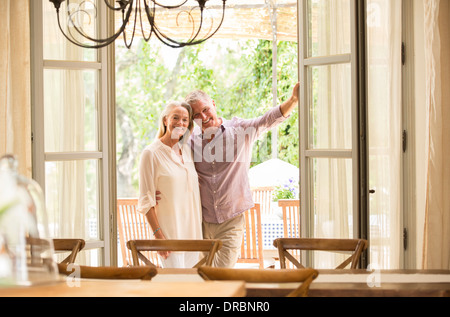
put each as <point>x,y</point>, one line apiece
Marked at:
<point>147,181</point>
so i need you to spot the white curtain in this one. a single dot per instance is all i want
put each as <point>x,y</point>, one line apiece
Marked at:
<point>15,102</point>
<point>436,249</point>
<point>384,37</point>
<point>332,128</point>
<point>64,119</point>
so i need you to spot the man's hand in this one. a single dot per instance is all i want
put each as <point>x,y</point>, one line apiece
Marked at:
<point>289,105</point>
<point>295,92</point>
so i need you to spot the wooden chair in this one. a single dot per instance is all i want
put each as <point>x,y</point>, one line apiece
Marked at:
<point>210,247</point>
<point>291,223</point>
<point>303,276</point>
<point>107,272</point>
<point>133,225</point>
<point>291,217</point>
<point>252,241</point>
<point>37,251</point>
<point>355,246</point>
<point>74,246</point>
<point>263,196</point>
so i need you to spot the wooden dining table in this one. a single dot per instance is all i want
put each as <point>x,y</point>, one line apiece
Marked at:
<point>187,283</point>
<point>193,287</point>
<point>363,283</point>
<point>347,283</point>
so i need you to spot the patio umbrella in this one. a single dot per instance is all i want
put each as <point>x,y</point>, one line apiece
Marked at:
<point>272,173</point>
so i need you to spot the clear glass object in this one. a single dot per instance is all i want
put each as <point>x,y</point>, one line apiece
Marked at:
<point>26,251</point>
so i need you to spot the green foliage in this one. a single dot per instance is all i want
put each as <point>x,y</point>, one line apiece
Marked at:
<point>289,190</point>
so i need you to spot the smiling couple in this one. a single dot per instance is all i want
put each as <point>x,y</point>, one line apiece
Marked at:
<point>205,197</point>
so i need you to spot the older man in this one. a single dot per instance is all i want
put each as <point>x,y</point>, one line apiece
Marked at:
<point>222,156</point>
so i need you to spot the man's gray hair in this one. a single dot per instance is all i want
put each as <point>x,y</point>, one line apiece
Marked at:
<point>197,95</point>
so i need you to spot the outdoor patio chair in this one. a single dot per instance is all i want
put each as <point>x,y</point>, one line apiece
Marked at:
<point>133,225</point>
<point>252,241</point>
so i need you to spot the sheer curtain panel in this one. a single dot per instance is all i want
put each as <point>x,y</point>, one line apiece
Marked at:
<point>15,110</point>
<point>384,43</point>
<point>331,124</point>
<point>65,108</point>
<point>436,250</point>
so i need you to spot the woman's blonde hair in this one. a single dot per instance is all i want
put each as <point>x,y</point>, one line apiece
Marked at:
<point>167,110</point>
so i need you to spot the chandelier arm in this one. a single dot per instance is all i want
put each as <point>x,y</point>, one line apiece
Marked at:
<point>169,7</point>
<point>110,39</point>
<point>134,27</point>
<point>196,42</point>
<point>142,24</point>
<point>76,42</point>
<point>159,34</point>
<point>77,12</point>
<point>215,31</point>
<point>200,26</point>
<point>165,41</point>
<point>126,14</point>
<point>177,44</point>
<point>154,28</point>
<point>170,42</point>
<point>101,42</point>
<point>218,27</point>
<point>190,17</point>
<point>123,4</point>
<point>74,24</point>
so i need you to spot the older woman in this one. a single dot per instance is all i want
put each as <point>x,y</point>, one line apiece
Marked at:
<point>167,166</point>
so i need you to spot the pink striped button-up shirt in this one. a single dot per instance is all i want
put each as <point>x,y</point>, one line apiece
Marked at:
<point>222,164</point>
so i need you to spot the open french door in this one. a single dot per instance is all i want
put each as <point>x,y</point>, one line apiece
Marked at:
<point>351,170</point>
<point>329,122</point>
<point>73,138</point>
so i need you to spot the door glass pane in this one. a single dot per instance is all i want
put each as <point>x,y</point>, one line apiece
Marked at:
<point>332,197</point>
<point>72,198</point>
<point>70,110</point>
<point>329,27</point>
<point>56,46</point>
<point>330,116</point>
<point>332,205</point>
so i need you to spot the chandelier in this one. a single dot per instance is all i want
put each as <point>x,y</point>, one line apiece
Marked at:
<point>134,13</point>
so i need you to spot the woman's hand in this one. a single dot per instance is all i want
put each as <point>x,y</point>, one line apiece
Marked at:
<point>160,236</point>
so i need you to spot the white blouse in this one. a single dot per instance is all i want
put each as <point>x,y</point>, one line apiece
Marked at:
<point>179,211</point>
